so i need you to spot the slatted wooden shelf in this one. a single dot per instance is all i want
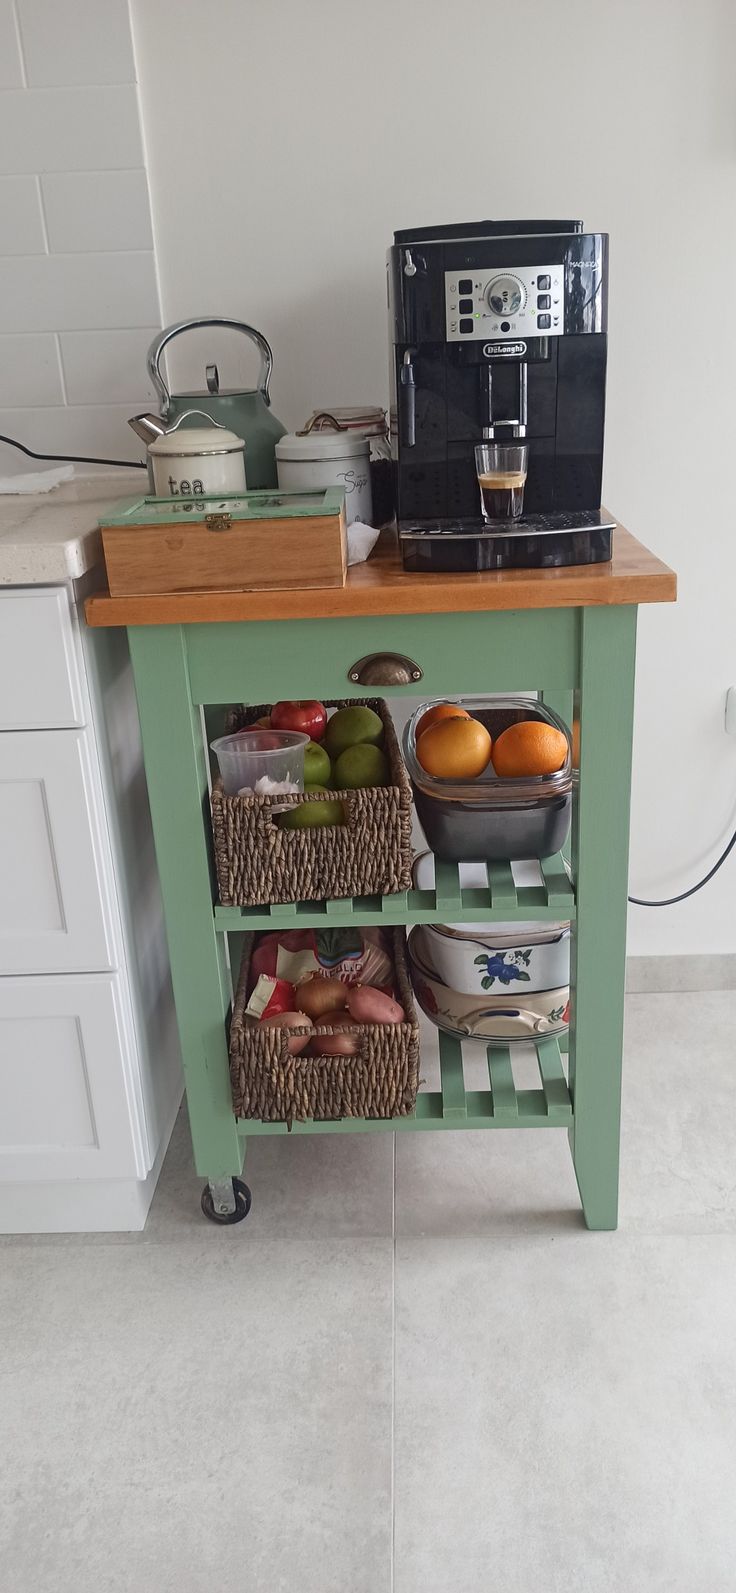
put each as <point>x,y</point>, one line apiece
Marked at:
<point>552,898</point>
<point>502,1105</point>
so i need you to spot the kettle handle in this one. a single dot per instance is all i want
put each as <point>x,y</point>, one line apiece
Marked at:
<point>153,357</point>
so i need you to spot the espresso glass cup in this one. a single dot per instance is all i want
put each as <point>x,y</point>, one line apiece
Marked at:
<point>501,470</point>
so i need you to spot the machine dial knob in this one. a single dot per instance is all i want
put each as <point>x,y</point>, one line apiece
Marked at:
<point>506,295</point>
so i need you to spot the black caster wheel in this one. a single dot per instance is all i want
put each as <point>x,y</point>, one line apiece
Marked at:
<point>225,1218</point>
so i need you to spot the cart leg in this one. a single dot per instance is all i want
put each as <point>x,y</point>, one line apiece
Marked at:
<point>176,770</point>
<point>600,849</point>
<point>562,703</point>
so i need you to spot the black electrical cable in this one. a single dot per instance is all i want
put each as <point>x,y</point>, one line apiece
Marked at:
<point>73,459</point>
<point>670,901</point>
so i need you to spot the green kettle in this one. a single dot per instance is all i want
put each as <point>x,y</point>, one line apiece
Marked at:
<point>248,413</point>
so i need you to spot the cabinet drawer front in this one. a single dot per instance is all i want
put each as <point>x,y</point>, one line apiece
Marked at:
<point>39,673</point>
<point>64,1068</point>
<point>55,912</point>
<point>456,653</point>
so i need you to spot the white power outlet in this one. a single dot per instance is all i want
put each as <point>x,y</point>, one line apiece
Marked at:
<point>731,711</point>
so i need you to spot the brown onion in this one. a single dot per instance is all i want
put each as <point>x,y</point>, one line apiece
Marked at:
<point>346,1044</point>
<point>339,1019</point>
<point>317,996</point>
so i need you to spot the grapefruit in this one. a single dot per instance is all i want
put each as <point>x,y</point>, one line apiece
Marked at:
<point>455,749</point>
<point>440,710</point>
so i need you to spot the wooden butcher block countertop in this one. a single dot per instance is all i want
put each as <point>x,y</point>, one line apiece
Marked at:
<point>382,586</point>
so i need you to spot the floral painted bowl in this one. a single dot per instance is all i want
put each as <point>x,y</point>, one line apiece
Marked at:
<point>483,964</point>
<point>501,1017</point>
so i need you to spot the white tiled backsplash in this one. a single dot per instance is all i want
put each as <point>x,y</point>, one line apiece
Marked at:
<point>79,298</point>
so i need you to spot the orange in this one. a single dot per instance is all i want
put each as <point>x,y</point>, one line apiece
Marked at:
<point>529,748</point>
<point>455,749</point>
<point>441,710</point>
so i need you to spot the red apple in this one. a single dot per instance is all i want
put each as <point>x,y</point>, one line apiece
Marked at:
<point>310,717</point>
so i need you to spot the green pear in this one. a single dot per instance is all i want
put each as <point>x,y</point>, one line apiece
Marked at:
<point>360,766</point>
<point>349,726</point>
<point>312,815</point>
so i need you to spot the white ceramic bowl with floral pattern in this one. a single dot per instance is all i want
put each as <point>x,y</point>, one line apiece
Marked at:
<point>504,1018</point>
<point>486,964</point>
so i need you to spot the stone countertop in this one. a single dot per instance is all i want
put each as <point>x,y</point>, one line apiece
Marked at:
<point>53,536</point>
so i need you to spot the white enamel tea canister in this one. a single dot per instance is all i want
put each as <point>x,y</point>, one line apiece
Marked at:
<point>188,462</point>
<point>311,460</point>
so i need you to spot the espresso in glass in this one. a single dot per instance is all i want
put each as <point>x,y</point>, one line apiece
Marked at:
<point>501,469</point>
<point>502,493</point>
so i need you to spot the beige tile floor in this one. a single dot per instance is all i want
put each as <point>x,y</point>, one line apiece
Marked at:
<point>411,1370</point>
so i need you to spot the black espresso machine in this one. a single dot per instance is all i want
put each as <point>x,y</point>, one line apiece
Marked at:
<point>498,333</point>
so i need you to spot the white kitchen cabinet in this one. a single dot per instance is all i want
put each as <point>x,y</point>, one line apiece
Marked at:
<point>90,1071</point>
<point>55,914</point>
<point>66,1080</point>
<point>40,684</point>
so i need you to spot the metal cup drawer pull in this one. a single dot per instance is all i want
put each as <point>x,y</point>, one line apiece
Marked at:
<point>385,669</point>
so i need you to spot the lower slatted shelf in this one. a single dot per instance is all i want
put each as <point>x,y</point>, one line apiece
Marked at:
<point>502,1105</point>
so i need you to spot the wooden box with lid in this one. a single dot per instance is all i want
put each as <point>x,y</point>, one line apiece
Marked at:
<point>257,541</point>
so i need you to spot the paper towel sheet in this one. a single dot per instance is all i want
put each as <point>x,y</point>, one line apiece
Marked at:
<point>37,480</point>
<point>361,541</point>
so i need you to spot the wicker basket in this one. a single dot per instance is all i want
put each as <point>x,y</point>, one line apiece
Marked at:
<point>271,1085</point>
<point>369,855</point>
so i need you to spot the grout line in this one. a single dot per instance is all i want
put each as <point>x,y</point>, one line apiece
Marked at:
<point>98,171</point>
<point>19,37</point>
<point>147,160</point>
<point>86,403</point>
<point>62,374</point>
<point>393,1373</point>
<point>78,254</point>
<point>42,209</point>
<point>77,331</point>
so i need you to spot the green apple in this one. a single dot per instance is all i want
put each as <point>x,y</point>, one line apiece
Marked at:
<point>349,726</point>
<point>312,815</point>
<point>360,766</point>
<point>317,766</point>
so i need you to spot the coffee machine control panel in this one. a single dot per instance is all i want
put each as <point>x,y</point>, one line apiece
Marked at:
<point>505,302</point>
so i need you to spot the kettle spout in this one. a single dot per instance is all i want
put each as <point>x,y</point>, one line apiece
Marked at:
<point>148,427</point>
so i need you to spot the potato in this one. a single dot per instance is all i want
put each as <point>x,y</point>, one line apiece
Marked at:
<point>317,995</point>
<point>292,1020</point>
<point>368,1005</point>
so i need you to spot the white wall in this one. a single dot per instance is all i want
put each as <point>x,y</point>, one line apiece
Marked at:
<point>287,140</point>
<point>78,290</point>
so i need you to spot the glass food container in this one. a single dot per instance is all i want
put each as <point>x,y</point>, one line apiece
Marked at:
<point>492,819</point>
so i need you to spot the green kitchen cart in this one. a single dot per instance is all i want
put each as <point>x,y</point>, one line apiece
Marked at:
<point>569,634</point>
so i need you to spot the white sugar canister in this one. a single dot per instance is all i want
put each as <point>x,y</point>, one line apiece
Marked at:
<point>309,460</point>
